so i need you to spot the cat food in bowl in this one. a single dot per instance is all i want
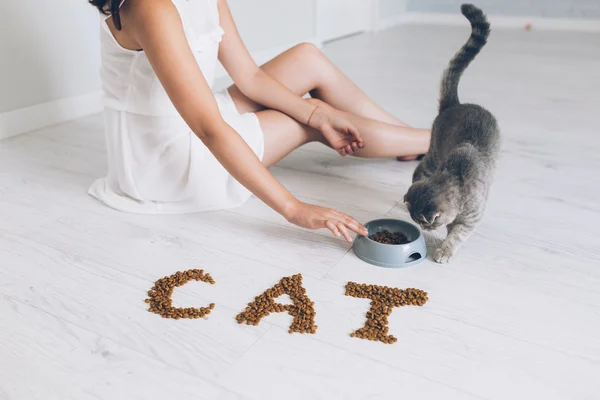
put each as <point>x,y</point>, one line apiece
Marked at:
<point>391,243</point>
<point>387,237</point>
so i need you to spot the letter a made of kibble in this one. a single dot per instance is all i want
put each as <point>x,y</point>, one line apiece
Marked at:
<point>383,300</point>
<point>302,308</point>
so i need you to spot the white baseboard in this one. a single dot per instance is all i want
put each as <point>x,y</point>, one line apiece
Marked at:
<point>497,22</point>
<point>261,57</point>
<point>50,113</point>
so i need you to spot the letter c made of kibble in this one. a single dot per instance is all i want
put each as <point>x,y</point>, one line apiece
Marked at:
<point>159,297</point>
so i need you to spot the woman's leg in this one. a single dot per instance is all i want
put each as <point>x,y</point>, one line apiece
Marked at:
<point>283,134</point>
<point>382,139</point>
<point>305,69</point>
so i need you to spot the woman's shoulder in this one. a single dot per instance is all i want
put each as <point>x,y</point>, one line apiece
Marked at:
<point>148,9</point>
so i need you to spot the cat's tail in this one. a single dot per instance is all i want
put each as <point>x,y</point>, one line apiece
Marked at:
<point>480,30</point>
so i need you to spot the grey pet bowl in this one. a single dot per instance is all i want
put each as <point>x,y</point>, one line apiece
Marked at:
<point>391,255</point>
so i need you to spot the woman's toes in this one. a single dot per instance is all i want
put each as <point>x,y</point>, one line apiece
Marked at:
<point>410,158</point>
<point>406,158</point>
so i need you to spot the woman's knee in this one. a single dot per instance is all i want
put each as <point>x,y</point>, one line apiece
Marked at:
<point>310,54</point>
<point>307,49</point>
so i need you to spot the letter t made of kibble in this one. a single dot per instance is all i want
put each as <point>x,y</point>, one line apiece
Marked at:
<point>383,300</point>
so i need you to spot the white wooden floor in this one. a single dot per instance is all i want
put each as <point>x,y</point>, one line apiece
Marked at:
<point>515,316</point>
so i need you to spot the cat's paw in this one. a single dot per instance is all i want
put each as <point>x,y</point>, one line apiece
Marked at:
<point>443,255</point>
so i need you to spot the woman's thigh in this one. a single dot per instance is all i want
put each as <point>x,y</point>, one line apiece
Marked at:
<point>282,135</point>
<point>291,69</point>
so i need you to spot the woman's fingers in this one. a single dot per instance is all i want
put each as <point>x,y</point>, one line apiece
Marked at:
<point>344,223</point>
<point>354,225</point>
<point>358,228</point>
<point>344,231</point>
<point>315,217</point>
<point>349,149</point>
<point>331,226</point>
<point>354,132</point>
<point>344,138</point>
<point>356,138</point>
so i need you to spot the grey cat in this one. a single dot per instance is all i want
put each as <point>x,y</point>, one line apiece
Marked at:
<point>450,185</point>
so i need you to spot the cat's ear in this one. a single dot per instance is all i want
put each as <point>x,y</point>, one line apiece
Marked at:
<point>424,219</point>
<point>437,214</point>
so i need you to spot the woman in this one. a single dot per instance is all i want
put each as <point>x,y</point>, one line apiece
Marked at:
<point>158,62</point>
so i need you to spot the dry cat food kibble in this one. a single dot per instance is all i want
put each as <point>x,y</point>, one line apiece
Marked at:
<point>383,300</point>
<point>160,295</point>
<point>302,308</point>
<point>387,237</point>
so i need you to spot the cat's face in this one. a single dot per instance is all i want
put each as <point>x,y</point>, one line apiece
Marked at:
<point>426,207</point>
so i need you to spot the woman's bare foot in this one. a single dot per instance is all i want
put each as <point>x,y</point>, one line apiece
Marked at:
<point>410,158</point>
<point>418,156</point>
<point>406,158</point>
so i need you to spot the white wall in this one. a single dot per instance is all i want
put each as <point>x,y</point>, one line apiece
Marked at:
<point>580,9</point>
<point>391,8</point>
<point>48,51</point>
<point>269,27</point>
<point>267,24</point>
<point>558,15</point>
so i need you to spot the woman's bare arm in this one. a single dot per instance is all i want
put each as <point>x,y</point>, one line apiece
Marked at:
<point>238,62</point>
<point>259,86</point>
<point>156,26</point>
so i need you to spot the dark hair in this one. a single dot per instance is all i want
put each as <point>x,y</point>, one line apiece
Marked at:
<point>109,7</point>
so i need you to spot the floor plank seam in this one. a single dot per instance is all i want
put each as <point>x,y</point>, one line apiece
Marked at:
<point>124,271</point>
<point>336,264</point>
<point>533,289</point>
<point>378,361</point>
<point>542,346</point>
<point>64,321</point>
<point>277,266</point>
<point>228,369</point>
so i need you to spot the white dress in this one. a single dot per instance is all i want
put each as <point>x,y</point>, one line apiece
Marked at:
<point>156,165</point>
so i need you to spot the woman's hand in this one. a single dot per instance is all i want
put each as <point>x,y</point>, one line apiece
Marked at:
<point>339,133</point>
<point>315,217</point>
